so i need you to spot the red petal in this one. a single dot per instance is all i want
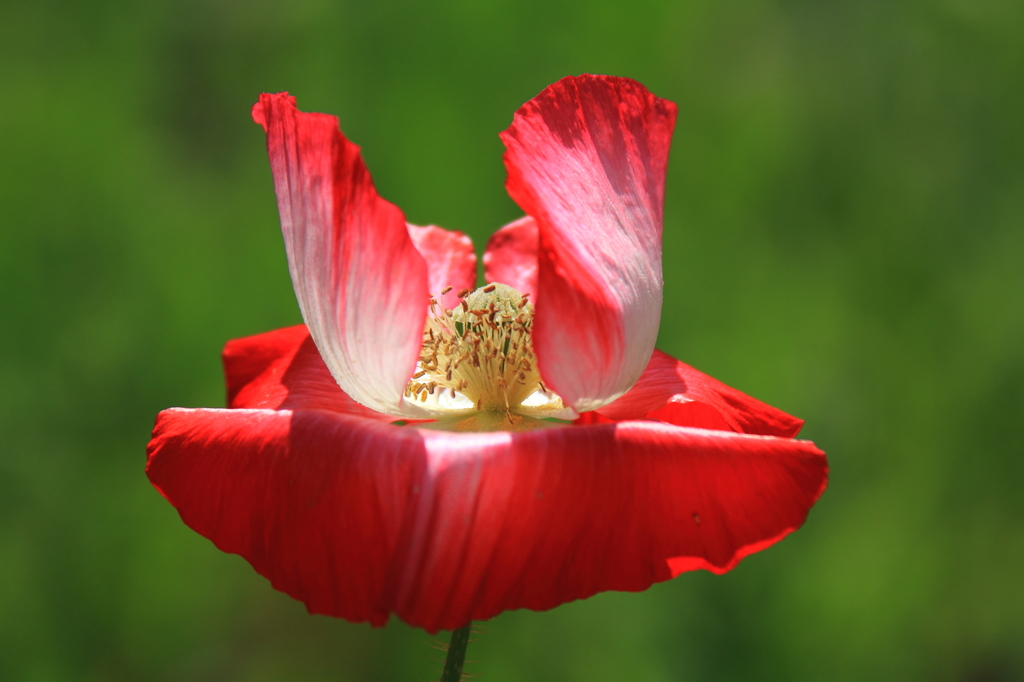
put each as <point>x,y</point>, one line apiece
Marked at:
<point>450,259</point>
<point>541,518</point>
<point>282,369</point>
<point>360,282</point>
<point>586,159</point>
<point>511,256</point>
<point>674,392</point>
<point>360,519</point>
<point>315,501</point>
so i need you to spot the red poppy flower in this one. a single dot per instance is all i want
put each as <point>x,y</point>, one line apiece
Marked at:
<point>311,476</point>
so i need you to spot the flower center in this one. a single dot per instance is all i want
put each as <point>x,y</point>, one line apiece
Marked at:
<point>479,355</point>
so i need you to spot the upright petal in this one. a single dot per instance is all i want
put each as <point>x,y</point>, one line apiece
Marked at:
<point>451,261</point>
<point>511,256</point>
<point>360,519</point>
<point>361,284</point>
<point>673,392</point>
<point>586,159</point>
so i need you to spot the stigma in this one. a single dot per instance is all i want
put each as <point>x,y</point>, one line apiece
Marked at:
<point>479,357</point>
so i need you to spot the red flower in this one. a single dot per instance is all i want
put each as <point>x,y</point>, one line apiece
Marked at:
<point>665,470</point>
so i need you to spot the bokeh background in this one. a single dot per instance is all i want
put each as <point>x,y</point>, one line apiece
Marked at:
<point>844,239</point>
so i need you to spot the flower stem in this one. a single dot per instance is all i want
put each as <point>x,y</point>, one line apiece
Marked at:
<point>456,655</point>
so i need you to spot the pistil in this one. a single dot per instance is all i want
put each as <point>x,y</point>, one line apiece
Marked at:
<point>479,355</point>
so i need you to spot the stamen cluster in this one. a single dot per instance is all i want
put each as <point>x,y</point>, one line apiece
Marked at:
<point>479,353</point>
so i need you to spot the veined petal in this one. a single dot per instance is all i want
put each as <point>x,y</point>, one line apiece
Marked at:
<point>511,256</point>
<point>360,519</point>
<point>586,159</point>
<point>451,261</point>
<point>674,392</point>
<point>533,520</point>
<point>283,370</point>
<point>315,501</point>
<point>361,284</point>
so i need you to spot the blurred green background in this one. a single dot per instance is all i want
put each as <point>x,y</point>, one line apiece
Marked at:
<point>844,239</point>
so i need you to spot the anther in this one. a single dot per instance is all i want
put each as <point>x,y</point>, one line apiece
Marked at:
<point>480,349</point>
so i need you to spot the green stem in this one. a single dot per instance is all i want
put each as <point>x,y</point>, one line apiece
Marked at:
<point>456,655</point>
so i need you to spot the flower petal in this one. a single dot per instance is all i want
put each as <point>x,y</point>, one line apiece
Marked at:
<point>360,283</point>
<point>511,256</point>
<point>282,369</point>
<point>450,259</point>
<point>541,518</point>
<point>359,519</point>
<point>586,159</point>
<point>674,392</point>
<point>315,501</point>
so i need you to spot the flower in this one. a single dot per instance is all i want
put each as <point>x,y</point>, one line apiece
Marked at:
<point>310,476</point>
